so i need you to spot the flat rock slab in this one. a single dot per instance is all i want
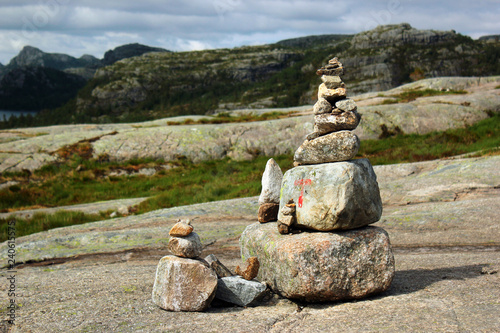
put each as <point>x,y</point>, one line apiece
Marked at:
<point>333,196</point>
<point>333,147</point>
<point>183,284</point>
<point>321,266</point>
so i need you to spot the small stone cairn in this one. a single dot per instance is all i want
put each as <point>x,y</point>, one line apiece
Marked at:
<point>320,247</point>
<point>185,282</point>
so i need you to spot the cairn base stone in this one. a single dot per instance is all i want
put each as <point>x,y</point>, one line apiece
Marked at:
<point>183,284</point>
<point>333,147</point>
<point>321,266</point>
<point>332,196</point>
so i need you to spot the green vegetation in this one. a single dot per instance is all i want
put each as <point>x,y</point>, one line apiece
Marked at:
<point>42,222</point>
<point>482,137</point>
<point>411,95</point>
<point>224,118</point>
<point>84,180</point>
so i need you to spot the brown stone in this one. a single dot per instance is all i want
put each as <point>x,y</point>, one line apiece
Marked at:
<point>250,269</point>
<point>181,229</point>
<point>268,212</point>
<point>218,267</point>
<point>330,71</point>
<point>283,228</point>
<point>328,123</point>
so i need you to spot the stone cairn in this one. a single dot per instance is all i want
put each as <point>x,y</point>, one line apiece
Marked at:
<point>320,247</point>
<point>186,282</point>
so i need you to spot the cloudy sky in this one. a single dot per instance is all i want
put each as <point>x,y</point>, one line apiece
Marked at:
<point>78,27</point>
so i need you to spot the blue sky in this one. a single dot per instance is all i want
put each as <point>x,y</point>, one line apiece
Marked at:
<point>78,27</point>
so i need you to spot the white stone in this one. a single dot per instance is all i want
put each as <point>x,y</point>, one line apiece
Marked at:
<point>271,183</point>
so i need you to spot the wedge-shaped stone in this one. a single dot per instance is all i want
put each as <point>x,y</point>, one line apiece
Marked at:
<point>328,123</point>
<point>321,266</point>
<point>333,196</point>
<point>239,291</point>
<point>183,284</point>
<point>217,266</point>
<point>331,95</point>
<point>333,147</point>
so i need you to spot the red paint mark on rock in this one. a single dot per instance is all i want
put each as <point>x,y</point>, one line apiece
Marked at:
<point>303,183</point>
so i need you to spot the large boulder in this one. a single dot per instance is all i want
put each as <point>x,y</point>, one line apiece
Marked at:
<point>333,196</point>
<point>183,284</point>
<point>321,266</point>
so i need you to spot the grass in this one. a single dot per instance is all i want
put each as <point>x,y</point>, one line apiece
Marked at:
<point>224,118</point>
<point>404,148</point>
<point>188,183</point>
<point>411,95</point>
<point>42,222</point>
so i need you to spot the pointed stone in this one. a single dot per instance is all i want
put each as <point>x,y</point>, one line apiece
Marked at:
<point>239,291</point>
<point>271,183</point>
<point>249,269</point>
<point>322,106</point>
<point>186,247</point>
<point>333,147</point>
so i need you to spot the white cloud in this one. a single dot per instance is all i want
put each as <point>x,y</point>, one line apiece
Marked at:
<point>94,26</point>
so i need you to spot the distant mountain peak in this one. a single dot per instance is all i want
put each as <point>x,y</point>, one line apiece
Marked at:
<point>128,51</point>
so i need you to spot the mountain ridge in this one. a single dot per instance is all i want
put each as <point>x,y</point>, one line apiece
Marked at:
<point>162,84</point>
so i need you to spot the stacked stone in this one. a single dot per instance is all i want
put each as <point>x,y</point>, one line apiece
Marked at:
<point>185,282</point>
<point>269,199</point>
<point>321,248</point>
<point>335,117</point>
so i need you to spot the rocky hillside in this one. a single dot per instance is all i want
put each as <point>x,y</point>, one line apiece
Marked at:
<point>32,148</point>
<point>35,88</point>
<point>128,51</point>
<point>278,75</point>
<point>49,80</point>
